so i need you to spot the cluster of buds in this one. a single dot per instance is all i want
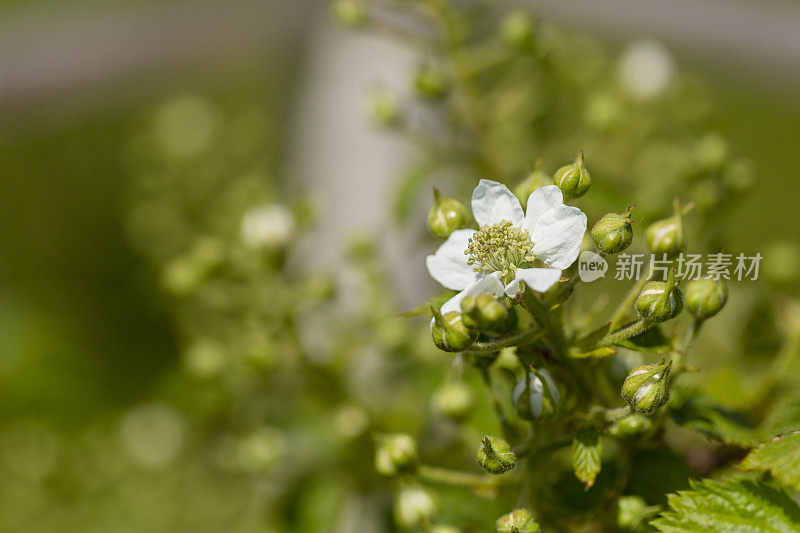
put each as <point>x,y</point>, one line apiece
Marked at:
<point>536,395</point>
<point>573,180</point>
<point>660,300</point>
<point>646,388</point>
<point>495,455</point>
<point>613,232</point>
<point>481,313</point>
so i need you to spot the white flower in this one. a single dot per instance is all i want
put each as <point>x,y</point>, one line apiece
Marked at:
<point>501,254</point>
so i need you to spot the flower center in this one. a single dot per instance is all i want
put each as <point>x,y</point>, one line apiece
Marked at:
<point>500,248</point>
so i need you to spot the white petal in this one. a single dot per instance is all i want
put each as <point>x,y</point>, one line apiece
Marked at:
<point>490,284</point>
<point>449,266</point>
<point>538,279</point>
<point>493,202</point>
<point>556,229</point>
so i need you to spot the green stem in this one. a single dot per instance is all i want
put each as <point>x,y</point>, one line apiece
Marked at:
<point>523,337</point>
<point>630,298</point>
<point>626,333</point>
<point>497,406</point>
<point>454,477</point>
<point>554,334</point>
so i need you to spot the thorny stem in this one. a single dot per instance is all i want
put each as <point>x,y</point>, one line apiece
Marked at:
<point>626,333</point>
<point>523,337</point>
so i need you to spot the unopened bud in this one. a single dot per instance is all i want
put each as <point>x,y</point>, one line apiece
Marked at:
<point>430,82</point>
<point>446,215</point>
<point>705,297</point>
<point>573,180</point>
<point>483,312</point>
<point>660,300</point>
<point>665,237</point>
<point>450,333</point>
<point>536,395</point>
<point>634,425</point>
<point>349,13</point>
<point>495,455</point>
<point>414,507</point>
<point>395,453</point>
<point>647,387</point>
<point>518,521</point>
<point>454,400</point>
<point>613,232</point>
<point>516,29</point>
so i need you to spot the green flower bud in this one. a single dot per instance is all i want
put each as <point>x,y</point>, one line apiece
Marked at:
<point>495,455</point>
<point>613,233</point>
<point>383,109</point>
<point>705,297</point>
<point>483,312</point>
<point>430,82</point>
<point>349,13</point>
<point>536,395</point>
<point>634,425</point>
<point>647,387</point>
<point>516,29</point>
<point>660,300</point>
<point>573,180</point>
<point>518,521</point>
<point>450,333</point>
<point>665,237</point>
<point>395,453</point>
<point>535,180</point>
<point>446,215</point>
<point>414,507</point>
<point>633,513</point>
<point>454,400</point>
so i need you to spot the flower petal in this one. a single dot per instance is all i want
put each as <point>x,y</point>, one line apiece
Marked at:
<point>493,202</point>
<point>449,266</point>
<point>556,229</point>
<point>490,284</point>
<point>538,279</point>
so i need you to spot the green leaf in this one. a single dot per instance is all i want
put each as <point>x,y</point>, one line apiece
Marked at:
<point>702,414</point>
<point>586,452</point>
<point>780,457</point>
<point>650,340</point>
<point>425,309</point>
<point>730,506</point>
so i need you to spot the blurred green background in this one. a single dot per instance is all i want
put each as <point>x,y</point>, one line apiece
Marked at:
<point>104,425</point>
